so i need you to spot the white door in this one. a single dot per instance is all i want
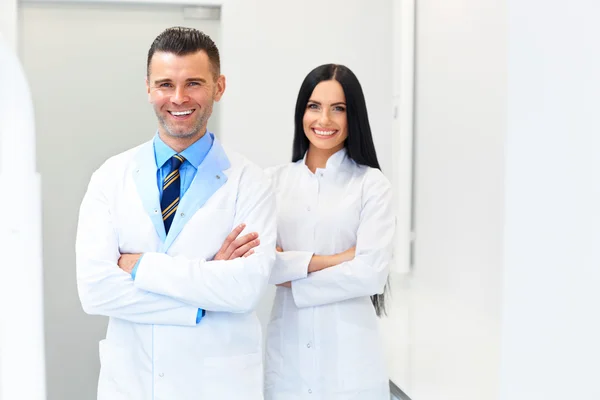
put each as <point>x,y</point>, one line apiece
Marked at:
<point>86,66</point>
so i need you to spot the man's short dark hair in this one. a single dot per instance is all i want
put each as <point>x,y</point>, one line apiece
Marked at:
<point>183,41</point>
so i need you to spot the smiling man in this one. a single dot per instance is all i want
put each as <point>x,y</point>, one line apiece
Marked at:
<point>168,244</point>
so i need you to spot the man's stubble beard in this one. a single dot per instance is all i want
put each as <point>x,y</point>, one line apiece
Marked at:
<point>200,124</point>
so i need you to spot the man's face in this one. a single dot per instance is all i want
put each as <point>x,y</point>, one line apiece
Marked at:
<point>182,90</point>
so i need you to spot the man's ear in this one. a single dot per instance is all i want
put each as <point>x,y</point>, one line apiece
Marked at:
<point>221,84</point>
<point>148,88</point>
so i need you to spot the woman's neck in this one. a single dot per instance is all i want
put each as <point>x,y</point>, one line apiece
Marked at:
<point>317,158</point>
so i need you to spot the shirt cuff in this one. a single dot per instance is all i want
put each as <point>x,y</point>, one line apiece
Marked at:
<point>135,267</point>
<point>201,313</point>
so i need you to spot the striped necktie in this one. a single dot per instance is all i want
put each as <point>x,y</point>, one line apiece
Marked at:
<point>171,192</point>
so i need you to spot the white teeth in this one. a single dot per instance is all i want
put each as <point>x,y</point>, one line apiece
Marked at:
<point>324,133</point>
<point>179,113</point>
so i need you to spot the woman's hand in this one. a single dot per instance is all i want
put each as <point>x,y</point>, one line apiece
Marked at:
<point>347,255</point>
<point>318,263</point>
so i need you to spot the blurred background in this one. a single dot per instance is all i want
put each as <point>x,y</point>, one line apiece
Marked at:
<point>484,119</point>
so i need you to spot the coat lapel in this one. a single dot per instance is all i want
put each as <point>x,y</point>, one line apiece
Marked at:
<point>209,178</point>
<point>144,175</point>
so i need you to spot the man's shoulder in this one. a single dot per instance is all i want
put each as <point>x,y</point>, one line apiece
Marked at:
<point>116,165</point>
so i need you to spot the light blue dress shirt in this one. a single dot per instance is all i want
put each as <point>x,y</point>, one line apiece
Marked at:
<point>194,155</point>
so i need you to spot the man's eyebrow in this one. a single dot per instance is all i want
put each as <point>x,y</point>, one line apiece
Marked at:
<point>166,80</point>
<point>159,81</point>
<point>195,79</point>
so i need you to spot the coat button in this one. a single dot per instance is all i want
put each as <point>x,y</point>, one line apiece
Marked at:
<point>161,374</point>
<point>308,345</point>
<point>309,391</point>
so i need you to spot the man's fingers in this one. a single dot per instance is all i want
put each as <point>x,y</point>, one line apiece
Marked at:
<point>233,235</point>
<point>248,253</point>
<point>230,238</point>
<point>242,240</point>
<point>240,251</point>
<point>279,249</point>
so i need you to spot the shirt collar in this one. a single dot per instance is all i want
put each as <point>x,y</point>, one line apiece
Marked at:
<point>334,162</point>
<point>336,159</point>
<point>194,154</point>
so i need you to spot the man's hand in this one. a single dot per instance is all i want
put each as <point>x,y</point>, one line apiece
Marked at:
<point>128,261</point>
<point>286,284</point>
<point>234,246</point>
<point>279,249</point>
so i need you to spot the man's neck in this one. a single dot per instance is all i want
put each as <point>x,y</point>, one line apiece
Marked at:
<point>180,144</point>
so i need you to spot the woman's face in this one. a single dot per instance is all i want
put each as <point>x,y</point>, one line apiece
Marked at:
<point>325,121</point>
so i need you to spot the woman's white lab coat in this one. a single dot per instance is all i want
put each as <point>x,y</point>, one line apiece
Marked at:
<point>323,340</point>
<point>154,350</point>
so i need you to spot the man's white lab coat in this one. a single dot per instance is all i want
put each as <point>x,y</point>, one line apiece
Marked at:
<point>154,349</point>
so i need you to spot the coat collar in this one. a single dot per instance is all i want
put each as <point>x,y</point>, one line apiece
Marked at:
<point>209,178</point>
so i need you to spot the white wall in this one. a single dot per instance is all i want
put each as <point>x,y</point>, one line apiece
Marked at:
<point>460,132</point>
<point>8,21</point>
<point>454,302</point>
<point>551,321</point>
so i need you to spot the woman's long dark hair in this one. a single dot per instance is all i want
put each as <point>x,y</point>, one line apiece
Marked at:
<point>359,144</point>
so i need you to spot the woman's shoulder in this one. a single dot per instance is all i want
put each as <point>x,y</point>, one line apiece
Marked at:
<point>372,178</point>
<point>370,174</point>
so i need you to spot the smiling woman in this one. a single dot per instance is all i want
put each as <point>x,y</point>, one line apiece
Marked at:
<point>335,232</point>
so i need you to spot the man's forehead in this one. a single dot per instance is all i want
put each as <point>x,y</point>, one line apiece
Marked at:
<point>169,64</point>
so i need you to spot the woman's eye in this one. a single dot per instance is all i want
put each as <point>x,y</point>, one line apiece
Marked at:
<point>313,107</point>
<point>339,109</point>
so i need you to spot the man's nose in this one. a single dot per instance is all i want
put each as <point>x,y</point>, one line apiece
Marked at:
<point>179,96</point>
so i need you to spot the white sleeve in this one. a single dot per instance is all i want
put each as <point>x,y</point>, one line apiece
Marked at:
<point>232,285</point>
<point>105,289</point>
<point>367,273</point>
<point>290,266</point>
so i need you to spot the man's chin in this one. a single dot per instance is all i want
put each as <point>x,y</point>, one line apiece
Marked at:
<point>181,134</point>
